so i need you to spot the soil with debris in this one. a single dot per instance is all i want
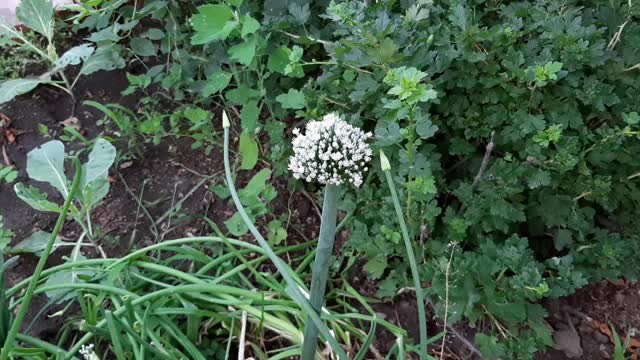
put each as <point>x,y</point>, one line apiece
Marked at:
<point>143,192</point>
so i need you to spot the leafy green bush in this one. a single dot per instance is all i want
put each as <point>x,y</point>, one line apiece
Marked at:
<point>553,203</point>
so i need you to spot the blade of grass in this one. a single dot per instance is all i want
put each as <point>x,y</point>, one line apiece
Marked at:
<point>422,317</point>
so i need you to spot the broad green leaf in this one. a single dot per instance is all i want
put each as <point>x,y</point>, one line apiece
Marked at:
<point>36,243</point>
<point>75,56</point>
<point>294,99</point>
<point>46,164</point>
<point>249,151</point>
<point>242,95</point>
<point>212,23</point>
<point>38,16</point>
<point>249,26</point>
<point>106,34</point>
<point>217,82</point>
<point>277,233</point>
<point>236,225</point>
<point>71,276</point>
<point>143,47</point>
<point>94,192</point>
<point>100,160</point>
<point>631,118</point>
<point>510,312</point>
<point>35,198</point>
<point>155,34</point>
<point>256,185</point>
<point>243,52</point>
<point>279,59</point>
<point>105,58</point>
<point>12,88</point>
<point>376,266</point>
<point>300,12</point>
<point>250,114</point>
<point>425,128</point>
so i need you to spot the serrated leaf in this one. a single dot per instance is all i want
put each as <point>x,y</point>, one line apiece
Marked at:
<point>242,95</point>
<point>299,12</point>
<point>217,82</point>
<point>35,198</point>
<point>12,88</point>
<point>249,26</point>
<point>104,58</point>
<point>46,163</point>
<point>212,23</point>
<point>294,99</point>
<point>425,128</point>
<point>236,226</point>
<point>376,266</point>
<point>250,113</point>
<point>538,179</point>
<point>243,52</point>
<point>562,239</point>
<point>74,56</point>
<point>387,133</point>
<point>37,15</point>
<point>279,59</point>
<point>142,47</point>
<point>249,150</point>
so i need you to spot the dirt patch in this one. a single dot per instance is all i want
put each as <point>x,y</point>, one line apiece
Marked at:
<point>592,312</point>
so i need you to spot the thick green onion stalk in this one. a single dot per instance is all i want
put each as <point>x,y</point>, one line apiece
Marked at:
<point>321,266</point>
<point>293,288</point>
<point>422,317</point>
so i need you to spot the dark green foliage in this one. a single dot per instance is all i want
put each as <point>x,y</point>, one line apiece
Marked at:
<point>555,207</point>
<point>552,206</point>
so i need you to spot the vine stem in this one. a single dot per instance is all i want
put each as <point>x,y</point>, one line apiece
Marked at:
<point>24,308</point>
<point>422,316</point>
<point>321,266</point>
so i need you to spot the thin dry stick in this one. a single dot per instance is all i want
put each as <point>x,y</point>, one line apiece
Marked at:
<point>616,37</point>
<point>243,332</point>
<point>485,162</point>
<point>446,296</point>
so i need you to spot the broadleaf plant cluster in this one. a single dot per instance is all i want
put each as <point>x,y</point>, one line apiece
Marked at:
<point>511,130</point>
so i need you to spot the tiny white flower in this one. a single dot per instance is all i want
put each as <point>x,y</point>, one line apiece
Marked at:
<point>87,352</point>
<point>331,152</point>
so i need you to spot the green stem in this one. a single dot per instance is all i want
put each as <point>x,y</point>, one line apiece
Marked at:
<point>15,327</point>
<point>293,288</point>
<point>321,266</point>
<point>411,157</point>
<point>422,317</point>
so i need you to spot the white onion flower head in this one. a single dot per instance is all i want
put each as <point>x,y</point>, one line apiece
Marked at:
<point>330,152</point>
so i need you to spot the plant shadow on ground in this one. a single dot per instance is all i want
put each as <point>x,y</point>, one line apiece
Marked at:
<point>171,171</point>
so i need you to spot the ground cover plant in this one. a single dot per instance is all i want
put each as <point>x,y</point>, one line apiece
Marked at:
<point>320,179</point>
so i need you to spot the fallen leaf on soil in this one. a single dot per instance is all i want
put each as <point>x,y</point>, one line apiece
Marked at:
<point>112,180</point>
<point>126,164</point>
<point>11,137</point>
<point>633,346</point>
<point>72,122</point>
<point>568,341</point>
<point>618,282</point>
